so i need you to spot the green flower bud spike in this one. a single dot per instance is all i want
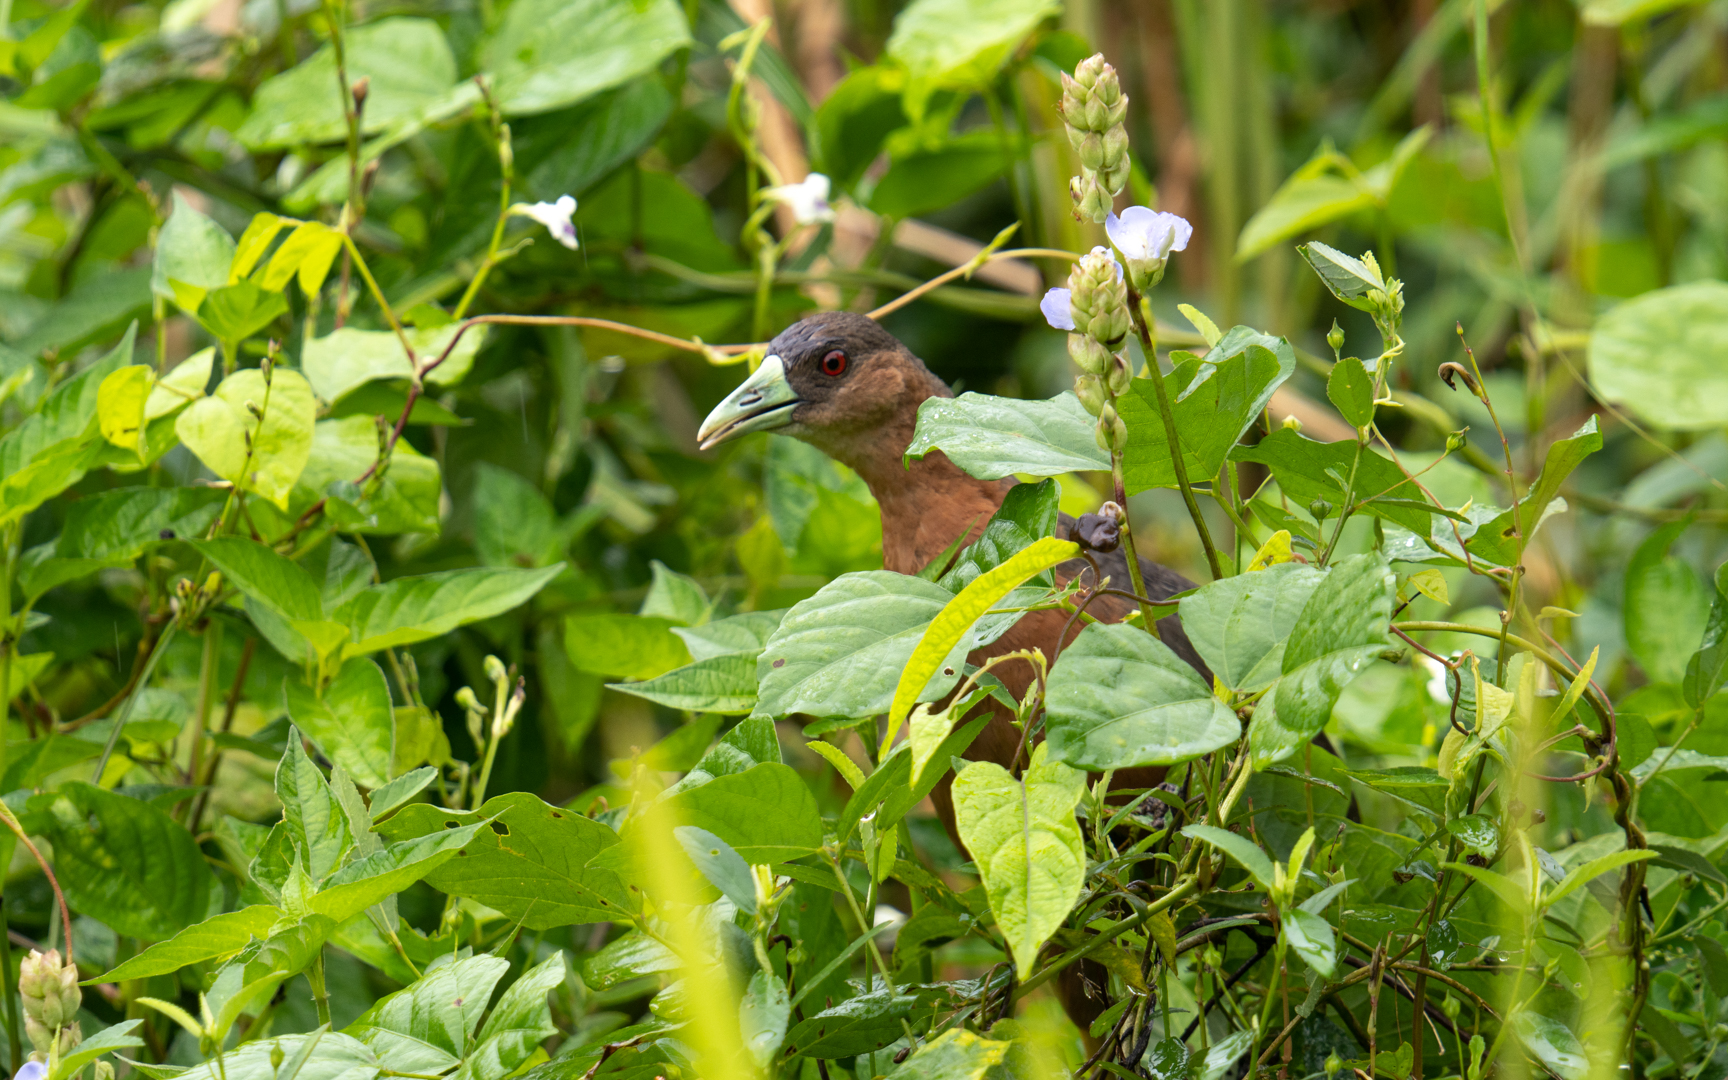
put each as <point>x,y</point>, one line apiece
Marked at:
<point>1092,109</point>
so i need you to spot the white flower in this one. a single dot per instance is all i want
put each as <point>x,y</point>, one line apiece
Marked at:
<point>31,1070</point>
<point>555,216</point>
<point>808,200</point>
<point>1057,308</point>
<point>1141,233</point>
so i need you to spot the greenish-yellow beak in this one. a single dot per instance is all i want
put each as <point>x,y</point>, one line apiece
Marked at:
<point>762,402</point>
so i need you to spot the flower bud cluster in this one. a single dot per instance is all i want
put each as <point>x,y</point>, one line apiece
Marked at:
<point>1094,311</point>
<point>51,998</point>
<point>1093,106</point>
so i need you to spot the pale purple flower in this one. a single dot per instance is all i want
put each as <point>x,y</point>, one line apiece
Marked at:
<point>31,1070</point>
<point>556,216</point>
<point>1057,309</point>
<point>1142,233</point>
<point>808,200</point>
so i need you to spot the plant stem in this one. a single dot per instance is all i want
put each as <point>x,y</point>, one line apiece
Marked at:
<point>207,671</point>
<point>9,1004</point>
<point>126,706</point>
<point>1143,325</point>
<point>320,992</point>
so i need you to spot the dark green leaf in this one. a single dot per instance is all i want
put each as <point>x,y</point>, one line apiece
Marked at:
<point>1303,469</point>
<point>1497,540</point>
<point>352,720</point>
<point>1214,400</point>
<point>1119,698</point>
<point>1666,609</point>
<point>1351,391</point>
<point>125,862</point>
<point>1239,624</point>
<point>1342,627</point>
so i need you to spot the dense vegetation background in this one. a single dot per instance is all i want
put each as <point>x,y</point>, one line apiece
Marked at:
<point>1549,179</point>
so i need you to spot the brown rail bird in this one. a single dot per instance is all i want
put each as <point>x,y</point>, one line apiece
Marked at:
<point>841,383</point>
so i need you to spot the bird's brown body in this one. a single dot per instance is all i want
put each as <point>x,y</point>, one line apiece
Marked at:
<point>928,503</point>
<point>843,384</point>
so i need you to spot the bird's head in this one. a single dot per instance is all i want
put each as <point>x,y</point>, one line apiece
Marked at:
<point>836,380</point>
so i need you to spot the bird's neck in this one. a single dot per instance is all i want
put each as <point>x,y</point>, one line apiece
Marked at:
<point>927,504</point>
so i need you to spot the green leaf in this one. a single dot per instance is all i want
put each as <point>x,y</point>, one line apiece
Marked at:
<point>106,1041</point>
<point>1509,891</point>
<point>519,1023</point>
<point>514,523</point>
<point>1348,278</point>
<point>1655,355</point>
<point>724,868</point>
<point>409,68</point>
<point>53,447</point>
<point>192,249</point>
<point>1707,671</point>
<point>1026,842</point>
<point>1307,200</point>
<point>553,53</point>
<point>762,1017</point>
<point>532,862</point>
<point>840,652</point>
<point>1581,875</point>
<point>383,874</point>
<point>1351,390</point>
<point>992,437</point>
<point>954,622</point>
<point>1119,698</point>
<point>1312,938</point>
<point>265,577</point>
<point>313,825</point>
<point>347,359</point>
<point>352,721</point>
<point>216,937</point>
<point>1214,400</point>
<point>1553,1044</point>
<point>216,429</point>
<point>122,523</point>
<point>1303,469</point>
<point>959,43</point>
<point>1478,833</point>
<point>1621,12</point>
<point>745,634</point>
<point>927,178</point>
<point>1341,629</point>
<point>1666,611</point>
<point>858,1025</point>
<point>411,609</point>
<point>405,500</point>
<point>1239,625</point>
<point>334,1057</point>
<point>1028,513</point>
<point>675,597</point>
<point>236,312</point>
<point>400,790</point>
<point>120,406</point>
<point>633,646</point>
<point>306,255</point>
<point>125,862</point>
<point>956,1054</point>
<point>766,813</point>
<point>1497,540</point>
<point>427,1027</point>
<point>719,684</point>
<point>254,242</point>
<point>1240,848</point>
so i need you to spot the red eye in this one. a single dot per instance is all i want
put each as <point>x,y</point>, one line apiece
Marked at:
<point>834,363</point>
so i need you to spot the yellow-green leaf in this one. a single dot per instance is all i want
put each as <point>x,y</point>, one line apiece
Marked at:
<point>1208,329</point>
<point>845,766</point>
<point>958,615</point>
<point>308,253</point>
<point>1432,584</point>
<point>120,406</point>
<point>1579,685</point>
<point>253,243</point>
<point>216,429</point>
